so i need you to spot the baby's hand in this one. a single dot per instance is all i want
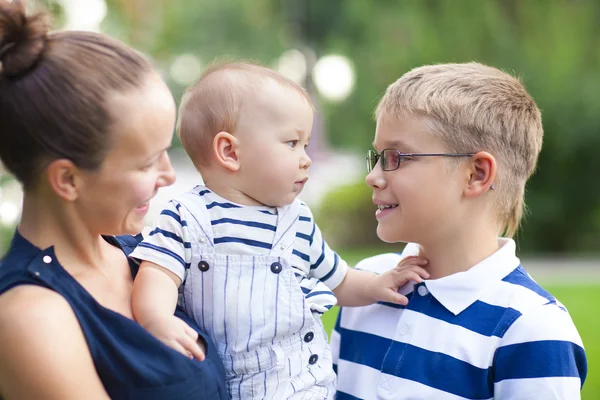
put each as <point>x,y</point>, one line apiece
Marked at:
<point>178,335</point>
<point>384,287</point>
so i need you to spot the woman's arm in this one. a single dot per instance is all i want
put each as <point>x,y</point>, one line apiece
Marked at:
<point>43,352</point>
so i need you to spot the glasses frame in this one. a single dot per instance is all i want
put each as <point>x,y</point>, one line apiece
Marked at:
<point>379,157</point>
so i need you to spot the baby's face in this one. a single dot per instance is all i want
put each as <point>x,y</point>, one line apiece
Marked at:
<point>274,131</point>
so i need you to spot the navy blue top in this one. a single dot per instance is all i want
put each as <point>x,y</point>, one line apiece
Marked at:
<point>130,362</point>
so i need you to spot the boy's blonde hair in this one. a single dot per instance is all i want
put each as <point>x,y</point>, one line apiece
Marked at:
<point>474,107</point>
<point>214,103</point>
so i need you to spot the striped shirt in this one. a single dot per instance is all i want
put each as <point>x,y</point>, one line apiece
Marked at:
<point>487,333</point>
<point>246,230</point>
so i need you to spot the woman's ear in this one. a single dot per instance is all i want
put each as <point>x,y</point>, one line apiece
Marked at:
<point>482,174</point>
<point>64,178</point>
<point>226,150</point>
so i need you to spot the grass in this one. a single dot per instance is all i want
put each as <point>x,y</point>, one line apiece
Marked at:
<point>581,301</point>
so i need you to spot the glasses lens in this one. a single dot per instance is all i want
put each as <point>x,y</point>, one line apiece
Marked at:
<point>390,159</point>
<point>371,160</point>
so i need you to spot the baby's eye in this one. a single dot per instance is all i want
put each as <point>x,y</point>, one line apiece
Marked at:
<point>292,143</point>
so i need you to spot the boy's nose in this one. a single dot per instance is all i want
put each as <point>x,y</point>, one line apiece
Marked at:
<point>375,179</point>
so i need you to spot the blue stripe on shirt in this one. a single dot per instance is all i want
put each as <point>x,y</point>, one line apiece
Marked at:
<point>336,261</point>
<point>171,235</point>
<point>483,318</point>
<point>416,364</point>
<point>249,242</point>
<point>221,205</point>
<point>307,219</point>
<point>312,294</point>
<point>303,236</point>
<point>303,256</point>
<point>173,215</point>
<point>541,359</point>
<point>520,277</point>
<point>168,252</point>
<point>244,223</point>
<point>343,396</point>
<point>321,258</point>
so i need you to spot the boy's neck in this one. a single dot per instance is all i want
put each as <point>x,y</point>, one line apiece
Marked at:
<point>459,252</point>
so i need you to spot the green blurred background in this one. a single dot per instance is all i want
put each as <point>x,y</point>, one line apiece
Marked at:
<point>345,52</point>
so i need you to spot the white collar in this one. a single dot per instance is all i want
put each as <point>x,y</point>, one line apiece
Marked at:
<point>458,291</point>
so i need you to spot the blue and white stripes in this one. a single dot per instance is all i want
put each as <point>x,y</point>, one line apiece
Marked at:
<point>246,230</point>
<point>490,332</point>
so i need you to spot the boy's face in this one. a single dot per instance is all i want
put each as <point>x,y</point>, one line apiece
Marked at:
<point>421,200</point>
<point>273,131</point>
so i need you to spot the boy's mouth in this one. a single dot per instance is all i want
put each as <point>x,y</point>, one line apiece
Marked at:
<point>386,206</point>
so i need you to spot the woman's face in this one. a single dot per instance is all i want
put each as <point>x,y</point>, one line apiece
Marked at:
<point>114,199</point>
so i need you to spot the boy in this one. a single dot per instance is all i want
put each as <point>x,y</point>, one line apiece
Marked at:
<point>256,272</point>
<point>454,147</point>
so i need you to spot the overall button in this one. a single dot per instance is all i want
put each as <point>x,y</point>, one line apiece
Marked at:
<point>47,259</point>
<point>313,359</point>
<point>308,337</point>
<point>276,267</point>
<point>203,266</point>
<point>422,290</point>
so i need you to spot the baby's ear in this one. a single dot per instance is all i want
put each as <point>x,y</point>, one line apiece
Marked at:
<point>226,148</point>
<point>482,174</point>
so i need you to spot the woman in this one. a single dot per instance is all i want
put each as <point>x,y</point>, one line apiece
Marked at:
<point>85,127</point>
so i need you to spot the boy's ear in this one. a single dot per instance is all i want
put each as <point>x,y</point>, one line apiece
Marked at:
<point>226,149</point>
<point>482,174</point>
<point>64,178</point>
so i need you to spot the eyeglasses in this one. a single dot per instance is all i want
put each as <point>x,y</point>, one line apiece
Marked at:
<point>391,158</point>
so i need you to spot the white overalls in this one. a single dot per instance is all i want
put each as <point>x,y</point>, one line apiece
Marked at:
<point>255,312</point>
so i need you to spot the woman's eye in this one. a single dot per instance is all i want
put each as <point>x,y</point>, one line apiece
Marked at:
<point>292,143</point>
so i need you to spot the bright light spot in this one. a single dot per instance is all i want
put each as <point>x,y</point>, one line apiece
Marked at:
<point>186,69</point>
<point>334,77</point>
<point>9,213</point>
<point>84,15</point>
<point>292,64</point>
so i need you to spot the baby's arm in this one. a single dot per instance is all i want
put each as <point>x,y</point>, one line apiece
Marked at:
<point>154,300</point>
<point>361,288</point>
<point>355,288</point>
<point>165,252</point>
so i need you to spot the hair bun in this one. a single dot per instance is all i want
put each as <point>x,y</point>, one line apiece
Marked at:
<point>22,38</point>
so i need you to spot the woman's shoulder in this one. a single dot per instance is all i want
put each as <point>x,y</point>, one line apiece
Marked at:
<point>27,311</point>
<point>41,338</point>
<point>29,305</point>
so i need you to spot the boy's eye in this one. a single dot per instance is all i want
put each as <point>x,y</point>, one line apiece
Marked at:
<point>292,143</point>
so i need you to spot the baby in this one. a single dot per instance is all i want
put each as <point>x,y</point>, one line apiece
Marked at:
<point>241,254</point>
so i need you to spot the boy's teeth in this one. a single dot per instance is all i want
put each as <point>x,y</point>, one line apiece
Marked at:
<point>384,207</point>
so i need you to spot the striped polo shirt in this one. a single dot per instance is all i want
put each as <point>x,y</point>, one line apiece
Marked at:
<point>247,230</point>
<point>487,333</point>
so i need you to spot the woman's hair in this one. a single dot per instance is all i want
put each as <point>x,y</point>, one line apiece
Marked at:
<point>53,92</point>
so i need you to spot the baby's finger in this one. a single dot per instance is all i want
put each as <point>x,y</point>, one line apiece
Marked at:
<point>192,348</point>
<point>413,260</point>
<point>406,276</point>
<point>191,332</point>
<point>392,296</point>
<point>175,345</point>
<point>419,270</point>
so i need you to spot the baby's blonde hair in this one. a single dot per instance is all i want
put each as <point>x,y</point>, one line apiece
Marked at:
<point>474,107</point>
<point>213,104</point>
